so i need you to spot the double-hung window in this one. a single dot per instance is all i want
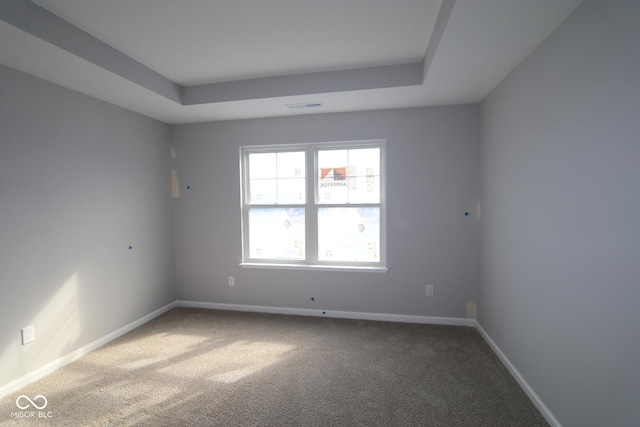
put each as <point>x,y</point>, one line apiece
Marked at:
<point>314,205</point>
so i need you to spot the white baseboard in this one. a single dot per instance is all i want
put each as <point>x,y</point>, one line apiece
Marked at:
<point>70,357</point>
<point>546,413</point>
<point>405,318</point>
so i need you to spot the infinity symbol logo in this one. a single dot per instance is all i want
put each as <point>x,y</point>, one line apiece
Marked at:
<point>31,402</point>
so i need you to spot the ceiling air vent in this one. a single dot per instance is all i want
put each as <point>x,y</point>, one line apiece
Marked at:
<point>304,105</point>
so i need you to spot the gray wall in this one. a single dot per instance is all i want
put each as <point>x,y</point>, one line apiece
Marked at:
<point>560,268</point>
<point>80,181</point>
<point>432,169</point>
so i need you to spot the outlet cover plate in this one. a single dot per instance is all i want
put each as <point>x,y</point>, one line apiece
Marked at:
<point>28,334</point>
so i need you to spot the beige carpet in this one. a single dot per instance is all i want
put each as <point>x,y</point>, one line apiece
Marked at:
<point>194,367</point>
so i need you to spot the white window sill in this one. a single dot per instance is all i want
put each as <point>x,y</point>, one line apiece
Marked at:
<point>311,267</point>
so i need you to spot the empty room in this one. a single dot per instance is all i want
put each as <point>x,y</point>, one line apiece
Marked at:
<point>320,213</point>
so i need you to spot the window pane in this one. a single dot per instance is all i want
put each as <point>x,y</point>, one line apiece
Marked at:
<point>291,164</point>
<point>291,191</point>
<point>277,233</point>
<point>262,165</point>
<point>277,178</point>
<point>332,176</point>
<point>349,234</point>
<point>349,176</point>
<point>364,168</point>
<point>263,191</point>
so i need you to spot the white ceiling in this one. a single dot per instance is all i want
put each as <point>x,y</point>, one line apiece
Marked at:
<point>204,42</point>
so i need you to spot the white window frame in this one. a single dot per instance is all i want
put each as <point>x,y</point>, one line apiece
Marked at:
<point>311,207</point>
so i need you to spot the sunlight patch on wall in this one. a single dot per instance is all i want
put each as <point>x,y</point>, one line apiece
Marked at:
<point>58,325</point>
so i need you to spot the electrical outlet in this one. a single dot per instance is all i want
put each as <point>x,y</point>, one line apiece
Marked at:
<point>28,334</point>
<point>232,281</point>
<point>429,290</point>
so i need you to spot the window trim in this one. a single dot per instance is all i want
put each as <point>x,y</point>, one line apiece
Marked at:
<point>311,206</point>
